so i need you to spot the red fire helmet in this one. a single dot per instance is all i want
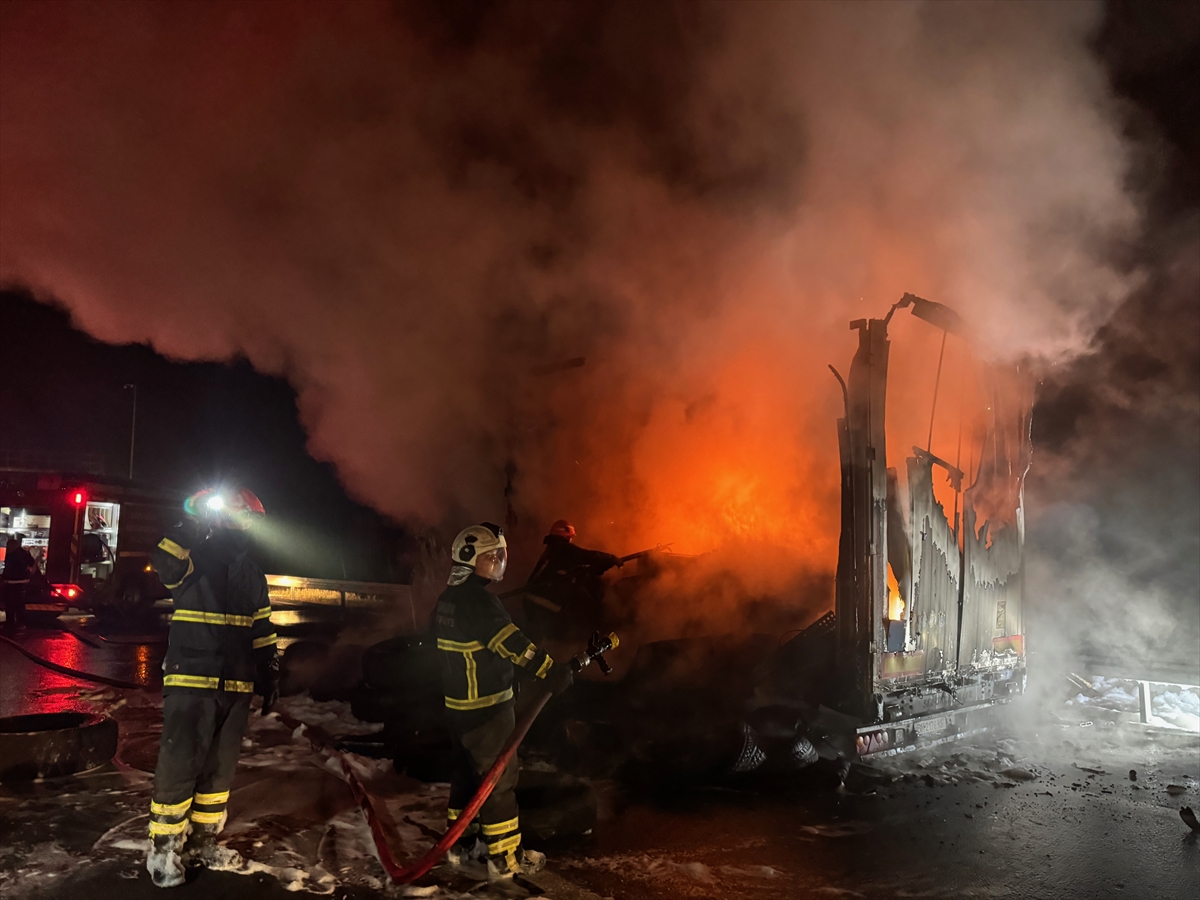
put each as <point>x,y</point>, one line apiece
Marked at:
<point>563,528</point>
<point>245,501</point>
<point>232,508</point>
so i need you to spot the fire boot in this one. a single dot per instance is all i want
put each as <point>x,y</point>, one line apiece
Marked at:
<point>518,862</point>
<point>467,849</point>
<point>203,850</point>
<point>164,862</point>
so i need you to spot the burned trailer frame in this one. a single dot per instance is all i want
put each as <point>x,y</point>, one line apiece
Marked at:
<point>938,672</point>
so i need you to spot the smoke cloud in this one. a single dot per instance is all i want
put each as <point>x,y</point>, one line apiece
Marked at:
<point>597,254</point>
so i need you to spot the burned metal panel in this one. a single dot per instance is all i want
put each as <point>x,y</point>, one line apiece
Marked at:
<point>933,614</point>
<point>960,642</point>
<point>994,528</point>
<point>862,562</point>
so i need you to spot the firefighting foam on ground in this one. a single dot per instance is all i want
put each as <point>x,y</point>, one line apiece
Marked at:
<point>771,424</point>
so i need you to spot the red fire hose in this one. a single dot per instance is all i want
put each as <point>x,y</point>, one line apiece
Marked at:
<point>404,875</point>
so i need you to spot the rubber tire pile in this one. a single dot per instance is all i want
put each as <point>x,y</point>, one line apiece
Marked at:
<point>402,689</point>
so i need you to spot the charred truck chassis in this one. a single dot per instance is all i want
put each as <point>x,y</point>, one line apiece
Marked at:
<point>958,649</point>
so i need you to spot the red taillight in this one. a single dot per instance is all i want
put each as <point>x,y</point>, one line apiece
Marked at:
<point>67,591</point>
<point>79,498</point>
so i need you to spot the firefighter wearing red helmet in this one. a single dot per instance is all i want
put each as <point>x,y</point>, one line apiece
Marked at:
<point>565,592</point>
<point>221,651</point>
<point>481,650</point>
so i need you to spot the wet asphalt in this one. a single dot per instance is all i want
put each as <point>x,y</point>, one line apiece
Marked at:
<point>936,825</point>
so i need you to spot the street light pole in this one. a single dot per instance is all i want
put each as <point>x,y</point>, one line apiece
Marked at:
<point>132,427</point>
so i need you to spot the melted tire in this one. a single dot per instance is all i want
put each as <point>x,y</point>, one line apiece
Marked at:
<point>51,745</point>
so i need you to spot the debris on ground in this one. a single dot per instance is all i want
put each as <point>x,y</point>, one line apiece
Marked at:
<point>1189,818</point>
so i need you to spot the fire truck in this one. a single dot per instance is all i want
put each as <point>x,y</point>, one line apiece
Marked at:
<point>90,536</point>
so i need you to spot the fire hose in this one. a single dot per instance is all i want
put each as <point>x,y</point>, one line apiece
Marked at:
<point>74,673</point>
<point>598,645</point>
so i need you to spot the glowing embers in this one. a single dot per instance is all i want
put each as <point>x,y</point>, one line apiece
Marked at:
<point>896,605</point>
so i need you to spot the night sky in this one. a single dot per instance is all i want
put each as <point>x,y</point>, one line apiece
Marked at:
<point>197,424</point>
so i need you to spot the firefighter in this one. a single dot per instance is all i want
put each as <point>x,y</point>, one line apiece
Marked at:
<point>565,591</point>
<point>481,648</point>
<point>221,651</point>
<point>19,565</point>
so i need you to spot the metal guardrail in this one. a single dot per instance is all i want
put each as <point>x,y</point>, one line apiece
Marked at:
<point>291,593</point>
<point>294,591</point>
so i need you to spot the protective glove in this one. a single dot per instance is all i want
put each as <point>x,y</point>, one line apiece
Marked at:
<point>559,678</point>
<point>266,681</point>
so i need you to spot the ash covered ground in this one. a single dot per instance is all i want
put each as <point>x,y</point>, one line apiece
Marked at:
<point>1065,799</point>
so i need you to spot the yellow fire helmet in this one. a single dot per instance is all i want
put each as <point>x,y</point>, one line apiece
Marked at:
<point>472,542</point>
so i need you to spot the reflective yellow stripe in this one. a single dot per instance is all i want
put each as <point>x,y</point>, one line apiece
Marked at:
<point>544,667</point>
<point>479,702</point>
<point>191,681</point>
<point>212,799</point>
<point>509,843</point>
<point>459,647</point>
<point>190,569</point>
<point>502,827</point>
<point>167,827</point>
<point>170,809</point>
<point>264,641</point>
<point>497,646</point>
<point>209,618</point>
<point>174,549</point>
<point>453,814</point>
<point>264,613</point>
<point>239,687</point>
<point>500,636</point>
<point>472,677</point>
<point>207,818</point>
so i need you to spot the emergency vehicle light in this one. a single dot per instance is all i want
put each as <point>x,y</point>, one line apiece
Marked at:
<point>79,498</point>
<point>67,591</point>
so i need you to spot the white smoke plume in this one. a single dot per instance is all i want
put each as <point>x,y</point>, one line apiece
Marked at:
<point>425,214</point>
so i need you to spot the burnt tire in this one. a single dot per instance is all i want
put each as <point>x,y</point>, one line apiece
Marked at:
<point>51,745</point>
<point>555,805</point>
<point>371,705</point>
<point>401,664</point>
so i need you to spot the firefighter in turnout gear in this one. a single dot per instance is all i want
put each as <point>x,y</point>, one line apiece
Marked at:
<point>481,649</point>
<point>221,651</point>
<point>564,595</point>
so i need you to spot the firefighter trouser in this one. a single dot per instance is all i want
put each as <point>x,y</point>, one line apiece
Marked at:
<point>201,738</point>
<point>14,603</point>
<point>498,820</point>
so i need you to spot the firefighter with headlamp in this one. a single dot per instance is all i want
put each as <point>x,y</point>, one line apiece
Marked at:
<point>481,649</point>
<point>221,651</point>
